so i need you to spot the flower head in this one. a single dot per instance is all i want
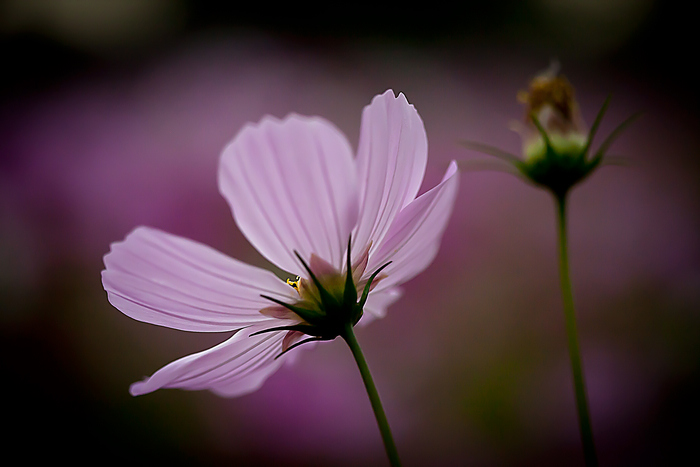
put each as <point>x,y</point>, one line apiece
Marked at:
<point>348,229</point>
<point>556,143</point>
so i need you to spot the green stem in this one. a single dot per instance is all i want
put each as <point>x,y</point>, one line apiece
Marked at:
<point>584,417</point>
<point>389,445</point>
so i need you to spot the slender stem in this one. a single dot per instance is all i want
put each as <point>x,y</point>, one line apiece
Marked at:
<point>584,417</point>
<point>389,445</point>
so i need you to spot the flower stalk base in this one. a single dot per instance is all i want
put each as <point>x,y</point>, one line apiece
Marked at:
<point>584,417</point>
<point>349,336</point>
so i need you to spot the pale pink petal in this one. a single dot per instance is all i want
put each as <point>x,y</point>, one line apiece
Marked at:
<point>280,312</point>
<point>292,185</point>
<point>320,267</point>
<point>360,264</point>
<point>391,159</point>
<point>291,338</point>
<point>235,367</point>
<point>163,279</point>
<point>377,304</point>
<point>413,239</point>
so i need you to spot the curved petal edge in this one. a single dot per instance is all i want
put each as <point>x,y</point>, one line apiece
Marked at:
<point>160,278</point>
<point>238,366</point>
<point>414,238</point>
<point>292,186</point>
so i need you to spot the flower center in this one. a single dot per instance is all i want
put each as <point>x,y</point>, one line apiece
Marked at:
<point>328,300</point>
<point>310,295</point>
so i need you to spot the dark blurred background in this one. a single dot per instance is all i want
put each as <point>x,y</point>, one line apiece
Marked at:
<point>113,115</point>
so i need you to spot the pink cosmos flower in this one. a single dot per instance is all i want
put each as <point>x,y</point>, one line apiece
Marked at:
<point>351,228</point>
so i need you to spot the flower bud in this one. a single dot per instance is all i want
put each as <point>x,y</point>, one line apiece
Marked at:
<point>550,101</point>
<point>556,143</point>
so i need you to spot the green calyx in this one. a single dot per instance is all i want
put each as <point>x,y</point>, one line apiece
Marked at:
<point>558,162</point>
<point>327,303</point>
<point>555,161</point>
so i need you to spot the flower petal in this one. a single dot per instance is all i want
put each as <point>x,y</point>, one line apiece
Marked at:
<point>292,185</point>
<point>391,159</point>
<point>377,304</point>
<point>235,367</point>
<point>163,279</point>
<point>414,238</point>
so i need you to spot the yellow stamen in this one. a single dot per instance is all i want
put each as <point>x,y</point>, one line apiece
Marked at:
<point>294,283</point>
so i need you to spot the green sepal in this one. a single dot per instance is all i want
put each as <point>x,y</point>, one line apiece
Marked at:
<point>596,124</point>
<point>365,292</point>
<point>493,151</point>
<point>307,314</point>
<point>543,132</point>
<point>294,327</point>
<point>305,341</point>
<point>613,136</point>
<point>350,292</point>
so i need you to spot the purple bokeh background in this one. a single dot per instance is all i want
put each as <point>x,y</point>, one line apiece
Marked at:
<point>471,363</point>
